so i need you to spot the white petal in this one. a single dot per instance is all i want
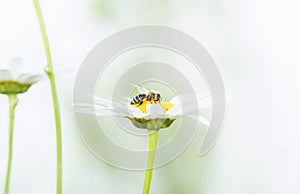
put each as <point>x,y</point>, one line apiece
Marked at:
<point>175,110</point>
<point>195,117</point>
<point>154,110</point>
<point>5,74</point>
<point>27,78</point>
<point>136,112</point>
<point>204,101</point>
<point>186,103</point>
<point>15,66</point>
<point>93,111</point>
<point>183,98</point>
<point>109,102</point>
<point>107,107</point>
<point>118,105</point>
<point>175,100</point>
<point>199,118</point>
<point>99,110</point>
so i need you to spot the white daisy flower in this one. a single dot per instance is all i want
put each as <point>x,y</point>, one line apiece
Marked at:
<point>148,114</point>
<point>12,81</point>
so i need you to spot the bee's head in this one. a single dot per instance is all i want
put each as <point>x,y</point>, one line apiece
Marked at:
<point>157,97</point>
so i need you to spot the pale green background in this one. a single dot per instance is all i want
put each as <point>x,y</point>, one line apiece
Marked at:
<point>255,44</point>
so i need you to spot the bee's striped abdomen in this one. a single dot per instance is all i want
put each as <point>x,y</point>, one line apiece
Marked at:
<point>138,99</point>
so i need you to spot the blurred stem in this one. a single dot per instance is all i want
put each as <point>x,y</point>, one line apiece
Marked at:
<point>49,72</point>
<point>13,101</point>
<point>152,140</point>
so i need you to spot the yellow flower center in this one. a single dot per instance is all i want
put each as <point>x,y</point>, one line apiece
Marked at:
<point>166,105</point>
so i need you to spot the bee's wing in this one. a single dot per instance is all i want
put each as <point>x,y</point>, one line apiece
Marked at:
<point>141,89</point>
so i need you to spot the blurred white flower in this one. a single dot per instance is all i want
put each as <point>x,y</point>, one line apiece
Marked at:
<point>13,81</point>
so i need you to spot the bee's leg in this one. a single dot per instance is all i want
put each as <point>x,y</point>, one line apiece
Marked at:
<point>141,102</point>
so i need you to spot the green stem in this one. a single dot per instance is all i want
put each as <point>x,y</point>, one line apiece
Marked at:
<point>49,72</point>
<point>13,101</point>
<point>152,140</point>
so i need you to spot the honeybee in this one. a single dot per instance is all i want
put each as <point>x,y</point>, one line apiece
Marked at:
<point>145,95</point>
<point>138,99</point>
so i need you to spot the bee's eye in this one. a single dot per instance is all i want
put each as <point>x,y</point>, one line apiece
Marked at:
<point>158,96</point>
